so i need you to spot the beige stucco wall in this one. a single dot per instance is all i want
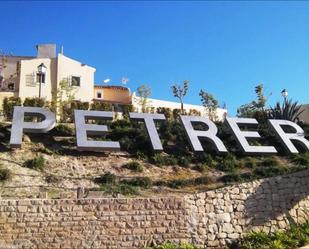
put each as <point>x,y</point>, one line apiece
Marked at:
<point>29,67</point>
<point>68,67</point>
<point>113,95</point>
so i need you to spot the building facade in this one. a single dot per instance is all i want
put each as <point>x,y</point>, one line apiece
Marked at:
<point>20,76</point>
<point>112,94</point>
<point>120,95</point>
<point>304,116</point>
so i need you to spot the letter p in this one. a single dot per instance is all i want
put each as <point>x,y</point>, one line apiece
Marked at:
<point>19,125</point>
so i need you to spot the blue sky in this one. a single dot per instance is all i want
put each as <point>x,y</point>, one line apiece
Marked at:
<point>225,48</point>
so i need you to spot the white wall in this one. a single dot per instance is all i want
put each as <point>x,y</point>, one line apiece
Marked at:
<point>30,67</point>
<point>221,113</point>
<point>68,67</point>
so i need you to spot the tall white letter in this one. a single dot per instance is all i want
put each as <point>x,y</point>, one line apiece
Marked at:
<point>19,125</point>
<point>150,126</point>
<point>286,138</point>
<point>195,135</point>
<point>83,129</point>
<point>242,135</point>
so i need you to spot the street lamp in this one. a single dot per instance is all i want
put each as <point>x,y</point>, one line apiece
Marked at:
<point>284,94</point>
<point>41,71</point>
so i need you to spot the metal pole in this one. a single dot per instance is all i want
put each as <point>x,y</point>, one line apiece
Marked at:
<point>40,82</point>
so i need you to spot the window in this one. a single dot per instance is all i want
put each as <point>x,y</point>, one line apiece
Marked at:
<point>40,78</point>
<point>75,81</point>
<point>11,86</point>
<point>31,80</point>
<point>99,95</point>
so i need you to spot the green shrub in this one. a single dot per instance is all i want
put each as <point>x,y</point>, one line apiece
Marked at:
<point>301,159</point>
<point>45,151</point>
<point>184,161</point>
<point>201,180</point>
<point>125,111</point>
<point>160,159</point>
<point>250,162</point>
<point>166,111</point>
<point>295,237</point>
<point>143,182</point>
<point>63,130</point>
<point>5,174</point>
<point>134,166</point>
<point>271,161</point>
<point>228,163</point>
<point>179,183</point>
<point>232,177</point>
<point>37,163</point>
<point>101,106</point>
<point>68,109</point>
<point>255,240</point>
<point>132,137</point>
<point>201,167</point>
<point>107,178</point>
<point>140,155</point>
<point>34,102</point>
<point>8,106</point>
<point>123,189</point>
<point>269,171</point>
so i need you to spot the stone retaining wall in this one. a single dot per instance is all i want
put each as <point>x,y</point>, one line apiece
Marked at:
<point>209,219</point>
<point>218,217</point>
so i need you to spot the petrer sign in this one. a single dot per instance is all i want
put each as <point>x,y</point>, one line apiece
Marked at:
<point>84,129</point>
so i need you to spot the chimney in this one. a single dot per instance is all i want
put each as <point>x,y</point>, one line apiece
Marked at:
<point>46,51</point>
<point>61,50</point>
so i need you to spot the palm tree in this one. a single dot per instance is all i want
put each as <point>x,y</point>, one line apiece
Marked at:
<point>289,110</point>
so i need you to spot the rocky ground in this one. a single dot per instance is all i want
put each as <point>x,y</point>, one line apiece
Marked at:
<point>63,174</point>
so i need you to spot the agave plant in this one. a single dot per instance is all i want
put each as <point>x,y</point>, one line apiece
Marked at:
<point>289,110</point>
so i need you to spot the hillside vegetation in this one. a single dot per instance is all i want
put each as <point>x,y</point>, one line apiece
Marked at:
<point>49,163</point>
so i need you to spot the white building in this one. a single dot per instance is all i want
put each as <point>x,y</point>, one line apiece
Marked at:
<point>20,75</point>
<point>156,103</point>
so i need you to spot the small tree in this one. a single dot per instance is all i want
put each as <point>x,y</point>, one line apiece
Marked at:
<point>144,93</point>
<point>210,103</point>
<point>68,110</point>
<point>126,109</point>
<point>64,95</point>
<point>250,110</point>
<point>180,92</point>
<point>260,104</point>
